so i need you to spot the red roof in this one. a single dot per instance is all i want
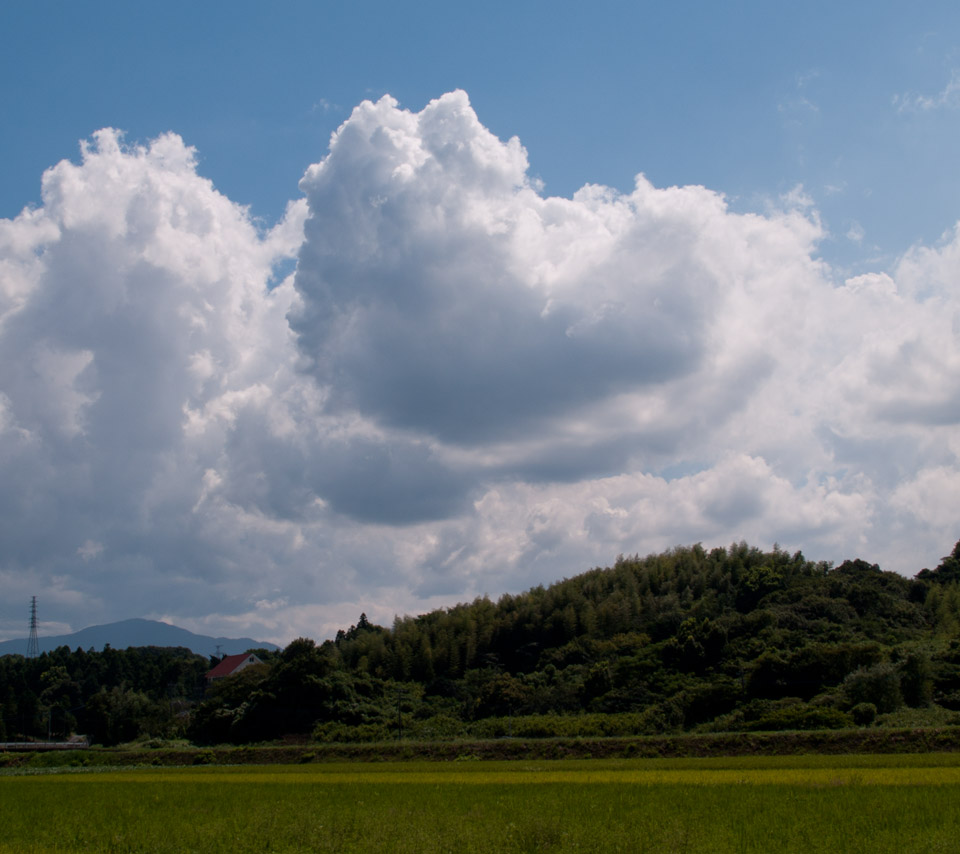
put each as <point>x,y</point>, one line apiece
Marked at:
<point>229,664</point>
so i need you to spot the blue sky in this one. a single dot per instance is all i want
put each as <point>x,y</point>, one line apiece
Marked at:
<point>493,363</point>
<point>749,99</point>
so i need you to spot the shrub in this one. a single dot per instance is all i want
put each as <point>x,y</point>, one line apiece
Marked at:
<point>334,731</point>
<point>436,728</point>
<point>790,713</point>
<point>802,716</point>
<point>879,684</point>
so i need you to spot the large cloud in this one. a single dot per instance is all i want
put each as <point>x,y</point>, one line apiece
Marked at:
<point>443,294</point>
<point>554,339</point>
<point>136,319</point>
<point>466,386</point>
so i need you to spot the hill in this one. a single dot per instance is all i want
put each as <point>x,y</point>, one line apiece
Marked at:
<point>138,632</point>
<point>727,640</point>
<point>687,640</point>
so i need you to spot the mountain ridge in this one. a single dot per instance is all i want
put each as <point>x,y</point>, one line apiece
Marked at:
<point>138,632</point>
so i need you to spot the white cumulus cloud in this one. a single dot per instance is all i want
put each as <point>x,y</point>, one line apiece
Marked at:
<point>466,386</point>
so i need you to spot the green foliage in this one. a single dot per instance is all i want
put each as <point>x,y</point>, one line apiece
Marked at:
<point>802,716</point>
<point>572,726</point>
<point>106,695</point>
<point>117,715</point>
<point>878,685</point>
<point>735,637</point>
<point>916,679</point>
<point>928,717</point>
<point>684,639</point>
<point>947,572</point>
<point>788,713</point>
<point>334,731</point>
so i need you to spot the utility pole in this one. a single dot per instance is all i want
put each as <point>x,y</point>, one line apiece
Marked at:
<point>33,643</point>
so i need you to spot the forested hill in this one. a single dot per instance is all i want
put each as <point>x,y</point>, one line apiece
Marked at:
<point>695,609</point>
<point>731,638</point>
<point>728,639</point>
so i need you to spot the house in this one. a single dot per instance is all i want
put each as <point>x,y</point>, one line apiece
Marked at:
<point>231,665</point>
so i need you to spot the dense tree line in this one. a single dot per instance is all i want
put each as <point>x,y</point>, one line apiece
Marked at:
<point>734,638</point>
<point>111,696</point>
<point>727,639</point>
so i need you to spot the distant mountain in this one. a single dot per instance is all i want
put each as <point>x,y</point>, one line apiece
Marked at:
<point>138,633</point>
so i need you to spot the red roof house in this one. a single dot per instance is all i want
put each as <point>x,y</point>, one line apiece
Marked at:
<point>232,664</point>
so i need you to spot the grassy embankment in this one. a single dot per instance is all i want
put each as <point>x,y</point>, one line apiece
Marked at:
<point>856,741</point>
<point>876,804</point>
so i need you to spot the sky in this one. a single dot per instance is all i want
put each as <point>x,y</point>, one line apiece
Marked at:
<point>317,309</point>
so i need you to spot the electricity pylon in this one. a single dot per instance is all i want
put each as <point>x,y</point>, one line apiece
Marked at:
<point>33,644</point>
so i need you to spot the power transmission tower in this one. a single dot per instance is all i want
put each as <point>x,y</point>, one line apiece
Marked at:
<point>33,644</point>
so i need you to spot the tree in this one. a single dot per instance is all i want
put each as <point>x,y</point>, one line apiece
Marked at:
<point>916,680</point>
<point>119,714</point>
<point>947,571</point>
<point>879,684</point>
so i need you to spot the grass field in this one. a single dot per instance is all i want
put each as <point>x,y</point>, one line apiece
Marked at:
<point>875,804</point>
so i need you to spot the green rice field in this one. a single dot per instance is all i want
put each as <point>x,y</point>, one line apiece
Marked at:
<point>870,804</point>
